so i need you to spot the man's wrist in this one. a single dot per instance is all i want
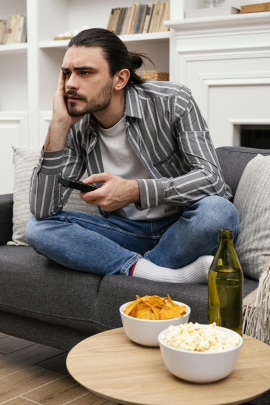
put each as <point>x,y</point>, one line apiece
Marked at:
<point>57,136</point>
<point>135,192</point>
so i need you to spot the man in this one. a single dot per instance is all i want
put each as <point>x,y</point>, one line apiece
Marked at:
<point>148,149</point>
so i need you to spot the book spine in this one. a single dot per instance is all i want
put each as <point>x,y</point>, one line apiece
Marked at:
<point>139,19</point>
<point>110,20</point>
<point>10,30</point>
<point>3,27</point>
<point>150,29</point>
<point>19,33</point>
<point>157,17</point>
<point>134,18</point>
<point>125,21</point>
<point>115,19</point>
<point>24,33</point>
<point>130,16</point>
<point>120,20</point>
<point>146,19</point>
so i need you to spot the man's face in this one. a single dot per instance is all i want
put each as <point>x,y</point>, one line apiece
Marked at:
<point>88,84</point>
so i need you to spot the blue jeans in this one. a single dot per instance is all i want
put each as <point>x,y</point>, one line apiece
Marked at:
<point>111,245</point>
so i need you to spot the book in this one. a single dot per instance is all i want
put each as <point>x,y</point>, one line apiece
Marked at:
<point>3,27</point>
<point>150,29</point>
<point>156,16</point>
<point>110,20</point>
<point>8,39</point>
<point>114,21</point>
<point>120,20</point>
<point>165,16</point>
<point>20,29</point>
<point>130,18</point>
<point>147,19</point>
<point>255,8</point>
<point>161,16</point>
<point>138,25</point>
<point>125,21</point>
<point>134,18</point>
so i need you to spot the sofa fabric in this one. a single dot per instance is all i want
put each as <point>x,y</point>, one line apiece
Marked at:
<point>233,160</point>
<point>45,298</point>
<point>6,218</point>
<point>47,303</point>
<point>43,290</point>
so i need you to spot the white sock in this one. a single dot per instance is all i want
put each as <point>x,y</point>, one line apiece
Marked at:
<point>196,272</point>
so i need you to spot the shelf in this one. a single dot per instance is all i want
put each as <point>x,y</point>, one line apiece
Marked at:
<point>125,38</point>
<point>235,22</point>
<point>13,49</point>
<point>151,36</point>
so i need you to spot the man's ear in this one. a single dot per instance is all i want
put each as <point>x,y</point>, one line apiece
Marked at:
<point>121,79</point>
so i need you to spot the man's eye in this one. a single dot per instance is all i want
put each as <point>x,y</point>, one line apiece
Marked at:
<point>85,73</point>
<point>67,74</point>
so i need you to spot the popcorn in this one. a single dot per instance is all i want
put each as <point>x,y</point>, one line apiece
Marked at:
<point>199,338</point>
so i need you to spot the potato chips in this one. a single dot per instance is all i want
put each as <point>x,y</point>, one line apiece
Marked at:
<point>153,307</point>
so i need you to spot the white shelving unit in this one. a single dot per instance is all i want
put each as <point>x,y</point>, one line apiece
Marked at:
<point>29,71</point>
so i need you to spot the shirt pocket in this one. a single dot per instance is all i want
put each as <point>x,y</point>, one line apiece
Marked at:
<point>171,165</point>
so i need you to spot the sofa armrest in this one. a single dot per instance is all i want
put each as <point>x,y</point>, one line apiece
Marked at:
<point>6,213</point>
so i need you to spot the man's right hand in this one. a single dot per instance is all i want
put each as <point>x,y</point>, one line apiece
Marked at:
<point>61,120</point>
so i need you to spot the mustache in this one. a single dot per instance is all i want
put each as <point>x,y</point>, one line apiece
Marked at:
<point>75,94</point>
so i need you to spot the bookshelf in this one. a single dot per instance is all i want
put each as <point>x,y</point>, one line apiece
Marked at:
<point>29,71</point>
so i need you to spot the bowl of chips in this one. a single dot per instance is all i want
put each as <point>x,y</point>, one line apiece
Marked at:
<point>146,317</point>
<point>200,353</point>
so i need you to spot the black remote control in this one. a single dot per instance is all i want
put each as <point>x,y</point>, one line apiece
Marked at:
<point>78,185</point>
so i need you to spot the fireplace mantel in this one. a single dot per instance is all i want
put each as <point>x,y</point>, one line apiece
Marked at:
<point>223,24</point>
<point>225,61</point>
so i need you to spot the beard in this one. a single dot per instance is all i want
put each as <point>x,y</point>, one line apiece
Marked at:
<point>99,103</point>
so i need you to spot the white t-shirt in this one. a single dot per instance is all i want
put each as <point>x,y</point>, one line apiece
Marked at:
<point>119,158</point>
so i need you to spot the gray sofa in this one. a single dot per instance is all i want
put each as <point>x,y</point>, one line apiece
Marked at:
<point>46,303</point>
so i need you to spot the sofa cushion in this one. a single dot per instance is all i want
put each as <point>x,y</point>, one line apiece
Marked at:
<point>25,159</point>
<point>80,300</point>
<point>253,206</point>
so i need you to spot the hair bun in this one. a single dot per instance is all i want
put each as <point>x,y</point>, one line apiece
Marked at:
<point>135,60</point>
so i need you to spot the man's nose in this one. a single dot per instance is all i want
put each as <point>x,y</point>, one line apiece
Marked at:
<point>72,82</point>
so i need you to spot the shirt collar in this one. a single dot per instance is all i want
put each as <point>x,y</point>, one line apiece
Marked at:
<point>133,103</point>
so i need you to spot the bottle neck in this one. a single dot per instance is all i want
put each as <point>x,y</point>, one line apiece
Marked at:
<point>226,258</point>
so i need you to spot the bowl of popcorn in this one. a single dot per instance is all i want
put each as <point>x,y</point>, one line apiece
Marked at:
<point>200,353</point>
<point>144,318</point>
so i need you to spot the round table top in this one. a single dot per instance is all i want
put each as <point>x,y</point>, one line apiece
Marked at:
<point>110,365</point>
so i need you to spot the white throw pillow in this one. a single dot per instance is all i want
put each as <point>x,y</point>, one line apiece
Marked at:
<point>252,201</point>
<point>25,159</point>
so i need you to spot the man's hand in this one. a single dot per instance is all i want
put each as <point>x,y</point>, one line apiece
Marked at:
<point>61,120</point>
<point>115,192</point>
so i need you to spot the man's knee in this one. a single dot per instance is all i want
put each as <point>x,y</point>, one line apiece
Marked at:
<point>218,213</point>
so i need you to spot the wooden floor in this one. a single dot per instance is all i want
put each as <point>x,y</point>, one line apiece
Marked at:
<point>31,373</point>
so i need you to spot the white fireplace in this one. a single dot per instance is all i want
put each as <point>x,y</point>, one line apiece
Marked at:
<point>225,61</point>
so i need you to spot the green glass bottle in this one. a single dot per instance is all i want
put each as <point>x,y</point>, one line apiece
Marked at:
<point>225,286</point>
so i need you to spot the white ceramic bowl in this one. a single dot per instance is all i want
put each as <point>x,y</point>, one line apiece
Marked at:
<point>145,332</point>
<point>200,367</point>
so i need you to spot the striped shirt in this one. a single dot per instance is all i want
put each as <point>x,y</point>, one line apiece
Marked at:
<point>167,132</point>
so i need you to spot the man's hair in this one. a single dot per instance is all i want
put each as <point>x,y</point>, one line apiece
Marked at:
<point>115,51</point>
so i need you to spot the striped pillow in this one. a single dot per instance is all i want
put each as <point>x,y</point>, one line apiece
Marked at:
<point>252,201</point>
<point>25,159</point>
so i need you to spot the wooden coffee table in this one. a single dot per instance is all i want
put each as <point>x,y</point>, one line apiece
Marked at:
<point>113,367</point>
